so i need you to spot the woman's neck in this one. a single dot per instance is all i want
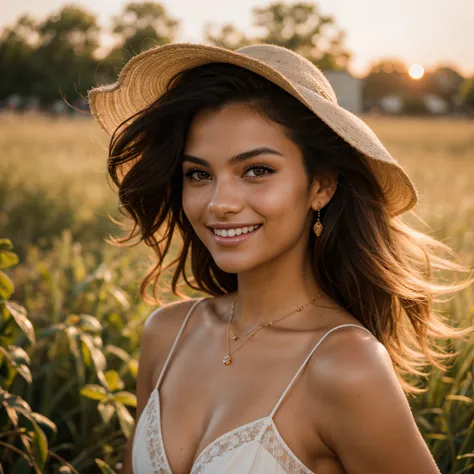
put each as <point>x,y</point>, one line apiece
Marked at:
<point>265,294</point>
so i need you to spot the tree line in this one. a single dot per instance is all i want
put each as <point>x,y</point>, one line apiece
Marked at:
<point>61,56</point>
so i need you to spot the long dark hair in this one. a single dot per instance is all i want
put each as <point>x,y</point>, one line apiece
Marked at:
<point>374,265</point>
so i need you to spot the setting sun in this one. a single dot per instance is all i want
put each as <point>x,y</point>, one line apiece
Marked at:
<point>416,71</point>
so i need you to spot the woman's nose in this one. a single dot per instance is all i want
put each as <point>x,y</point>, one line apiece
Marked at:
<point>224,199</point>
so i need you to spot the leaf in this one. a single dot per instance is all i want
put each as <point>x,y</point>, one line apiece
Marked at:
<point>126,398</point>
<point>25,372</point>
<point>117,351</point>
<point>35,441</point>
<point>45,424</point>
<point>17,357</point>
<point>86,353</point>
<point>12,414</point>
<point>6,244</point>
<point>6,287</point>
<point>94,392</point>
<point>120,296</point>
<point>20,355</point>
<point>97,357</point>
<point>113,380</point>
<point>16,402</point>
<point>438,436</point>
<point>22,361</point>
<point>104,467</point>
<point>133,367</point>
<point>39,445</point>
<point>106,410</point>
<point>8,259</point>
<point>460,398</point>
<point>125,419</point>
<point>72,334</point>
<point>19,315</point>
<point>89,323</point>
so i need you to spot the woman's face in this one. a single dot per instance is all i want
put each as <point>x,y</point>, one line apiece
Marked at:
<point>240,169</point>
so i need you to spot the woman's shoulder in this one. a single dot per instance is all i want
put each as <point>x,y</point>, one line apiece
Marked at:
<point>159,332</point>
<point>169,317</point>
<point>348,358</point>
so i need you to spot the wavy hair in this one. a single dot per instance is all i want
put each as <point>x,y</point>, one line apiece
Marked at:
<point>374,265</point>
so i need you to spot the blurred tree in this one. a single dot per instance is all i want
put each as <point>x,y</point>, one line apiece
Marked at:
<point>226,36</point>
<point>67,43</point>
<point>447,83</point>
<point>17,58</point>
<point>298,26</point>
<point>140,27</point>
<point>386,77</point>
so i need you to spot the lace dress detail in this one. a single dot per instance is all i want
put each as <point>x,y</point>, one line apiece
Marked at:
<point>277,447</point>
<point>153,437</point>
<point>227,443</point>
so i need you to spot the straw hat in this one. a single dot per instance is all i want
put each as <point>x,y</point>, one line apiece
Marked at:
<point>145,77</point>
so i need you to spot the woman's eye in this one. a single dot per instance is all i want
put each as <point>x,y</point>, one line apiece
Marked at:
<point>266,170</point>
<point>189,174</point>
<point>260,171</point>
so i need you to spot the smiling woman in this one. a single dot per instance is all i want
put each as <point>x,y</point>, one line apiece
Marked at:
<point>287,207</point>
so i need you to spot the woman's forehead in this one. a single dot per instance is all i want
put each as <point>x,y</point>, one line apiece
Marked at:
<point>234,129</point>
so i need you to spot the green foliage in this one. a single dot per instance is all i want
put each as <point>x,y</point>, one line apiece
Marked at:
<point>22,431</point>
<point>71,402</point>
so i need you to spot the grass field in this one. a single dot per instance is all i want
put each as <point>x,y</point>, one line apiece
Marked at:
<point>82,298</point>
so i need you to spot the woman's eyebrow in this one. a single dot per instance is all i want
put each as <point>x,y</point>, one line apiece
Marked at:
<point>246,155</point>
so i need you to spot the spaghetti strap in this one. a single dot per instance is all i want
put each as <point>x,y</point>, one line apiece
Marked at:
<point>181,329</point>
<point>272,414</point>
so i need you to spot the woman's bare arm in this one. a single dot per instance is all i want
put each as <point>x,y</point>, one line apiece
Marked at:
<point>367,417</point>
<point>144,384</point>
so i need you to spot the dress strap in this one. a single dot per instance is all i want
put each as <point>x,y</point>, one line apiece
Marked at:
<point>181,329</point>
<point>306,361</point>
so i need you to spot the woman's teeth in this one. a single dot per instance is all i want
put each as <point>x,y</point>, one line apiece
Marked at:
<point>236,231</point>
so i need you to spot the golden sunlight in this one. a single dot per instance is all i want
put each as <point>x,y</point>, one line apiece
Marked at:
<point>416,71</point>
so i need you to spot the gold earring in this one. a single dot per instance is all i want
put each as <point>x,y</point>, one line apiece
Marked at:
<point>318,227</point>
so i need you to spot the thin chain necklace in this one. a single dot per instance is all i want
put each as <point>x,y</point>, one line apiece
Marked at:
<point>249,334</point>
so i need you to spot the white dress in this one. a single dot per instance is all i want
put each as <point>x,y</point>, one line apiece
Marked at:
<point>254,448</point>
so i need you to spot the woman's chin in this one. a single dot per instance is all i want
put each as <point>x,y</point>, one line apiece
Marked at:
<point>233,263</point>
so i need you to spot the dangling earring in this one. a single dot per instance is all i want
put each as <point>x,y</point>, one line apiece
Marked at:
<point>318,227</point>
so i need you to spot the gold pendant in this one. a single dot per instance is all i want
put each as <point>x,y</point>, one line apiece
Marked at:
<point>227,359</point>
<point>318,228</point>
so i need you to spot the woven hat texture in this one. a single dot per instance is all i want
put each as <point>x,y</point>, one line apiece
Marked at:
<point>145,76</point>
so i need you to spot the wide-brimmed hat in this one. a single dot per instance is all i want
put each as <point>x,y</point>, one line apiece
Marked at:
<point>145,77</point>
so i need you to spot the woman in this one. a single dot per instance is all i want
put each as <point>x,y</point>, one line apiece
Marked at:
<point>288,210</point>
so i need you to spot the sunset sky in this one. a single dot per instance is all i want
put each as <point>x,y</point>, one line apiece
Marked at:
<point>428,32</point>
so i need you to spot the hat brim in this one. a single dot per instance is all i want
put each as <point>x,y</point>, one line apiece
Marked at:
<point>145,77</point>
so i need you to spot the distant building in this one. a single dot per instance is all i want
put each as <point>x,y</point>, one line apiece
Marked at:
<point>348,90</point>
<point>392,104</point>
<point>436,104</point>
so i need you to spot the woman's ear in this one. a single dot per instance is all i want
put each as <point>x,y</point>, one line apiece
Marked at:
<point>323,189</point>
